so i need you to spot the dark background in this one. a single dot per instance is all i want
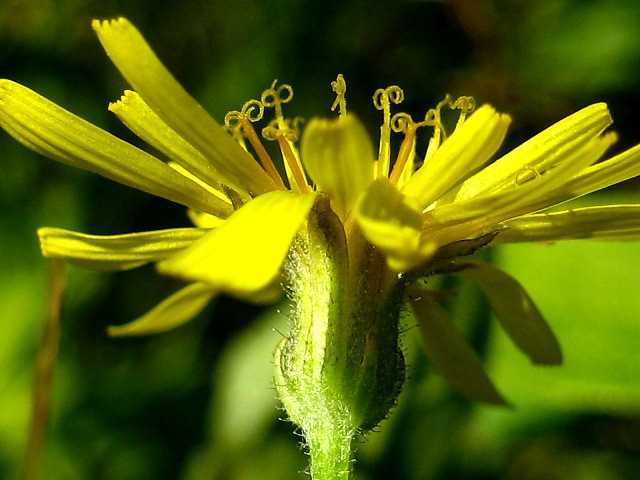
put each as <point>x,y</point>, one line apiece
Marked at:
<point>197,403</point>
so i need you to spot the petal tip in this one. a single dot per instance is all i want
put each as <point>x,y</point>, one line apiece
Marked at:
<point>101,25</point>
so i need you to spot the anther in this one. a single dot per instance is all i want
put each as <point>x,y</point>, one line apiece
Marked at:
<point>253,111</point>
<point>466,105</point>
<point>275,97</point>
<point>339,87</point>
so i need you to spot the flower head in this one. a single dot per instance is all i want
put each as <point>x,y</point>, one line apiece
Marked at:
<point>353,228</point>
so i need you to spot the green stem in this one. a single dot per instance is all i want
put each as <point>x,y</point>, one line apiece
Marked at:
<point>331,452</point>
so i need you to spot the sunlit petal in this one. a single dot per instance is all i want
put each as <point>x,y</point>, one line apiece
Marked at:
<point>619,168</point>
<point>56,133</point>
<point>390,224</point>
<point>148,76</point>
<point>465,218</point>
<point>611,222</point>
<point>115,252</point>
<point>541,152</point>
<point>144,122</point>
<point>338,155</point>
<point>469,147</point>
<point>172,312</point>
<point>245,253</point>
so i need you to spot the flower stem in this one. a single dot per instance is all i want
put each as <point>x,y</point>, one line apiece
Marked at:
<point>331,453</point>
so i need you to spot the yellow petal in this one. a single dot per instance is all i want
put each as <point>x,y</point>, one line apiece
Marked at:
<point>623,166</point>
<point>144,122</point>
<point>516,311</point>
<point>470,146</point>
<point>541,152</point>
<point>149,77</point>
<point>474,216</point>
<point>611,222</point>
<point>204,220</point>
<point>338,156</point>
<point>56,133</point>
<point>115,252</point>
<point>449,351</point>
<point>390,224</point>
<point>172,312</point>
<point>243,256</point>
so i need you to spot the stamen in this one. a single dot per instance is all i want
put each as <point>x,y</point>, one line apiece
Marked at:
<point>339,86</point>
<point>293,163</point>
<point>281,130</point>
<point>285,138</point>
<point>465,105</point>
<point>433,118</point>
<point>382,99</point>
<point>235,130</point>
<point>262,153</point>
<point>402,122</point>
<point>243,118</point>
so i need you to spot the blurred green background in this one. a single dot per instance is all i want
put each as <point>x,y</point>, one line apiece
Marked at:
<point>197,403</point>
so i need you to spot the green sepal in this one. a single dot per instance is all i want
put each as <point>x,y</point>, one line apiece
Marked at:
<point>340,370</point>
<point>449,351</point>
<point>516,311</point>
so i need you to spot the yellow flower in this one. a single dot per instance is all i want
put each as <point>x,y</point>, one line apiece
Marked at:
<point>353,230</point>
<point>247,216</point>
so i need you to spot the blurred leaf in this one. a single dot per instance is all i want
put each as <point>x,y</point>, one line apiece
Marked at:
<point>245,409</point>
<point>556,47</point>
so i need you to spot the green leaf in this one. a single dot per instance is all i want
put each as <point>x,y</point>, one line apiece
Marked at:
<point>516,311</point>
